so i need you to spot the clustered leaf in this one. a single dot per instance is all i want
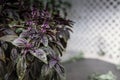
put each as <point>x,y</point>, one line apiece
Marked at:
<point>33,35</point>
<point>107,76</point>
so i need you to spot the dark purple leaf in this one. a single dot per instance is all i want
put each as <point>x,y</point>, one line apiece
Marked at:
<point>52,63</point>
<point>20,42</point>
<point>40,54</point>
<point>14,54</point>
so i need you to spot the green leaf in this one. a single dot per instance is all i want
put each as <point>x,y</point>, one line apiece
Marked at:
<point>19,30</point>
<point>2,55</point>
<point>13,23</point>
<point>49,50</point>
<point>45,70</point>
<point>21,68</point>
<point>67,34</point>
<point>57,50</point>
<point>29,58</point>
<point>46,73</point>
<point>8,38</point>
<point>107,76</point>
<point>40,54</point>
<point>60,45</point>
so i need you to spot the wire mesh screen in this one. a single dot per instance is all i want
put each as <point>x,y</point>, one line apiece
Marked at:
<point>96,29</point>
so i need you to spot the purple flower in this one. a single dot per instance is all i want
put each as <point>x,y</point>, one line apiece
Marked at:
<point>45,24</point>
<point>30,22</point>
<point>43,30</point>
<point>29,28</point>
<point>35,13</point>
<point>45,14</point>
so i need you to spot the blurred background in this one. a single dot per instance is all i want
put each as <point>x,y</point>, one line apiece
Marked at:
<point>95,37</point>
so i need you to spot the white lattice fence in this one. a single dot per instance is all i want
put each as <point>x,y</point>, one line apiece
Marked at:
<point>96,29</point>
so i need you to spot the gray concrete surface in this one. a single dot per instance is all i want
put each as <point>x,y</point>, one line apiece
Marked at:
<point>80,70</point>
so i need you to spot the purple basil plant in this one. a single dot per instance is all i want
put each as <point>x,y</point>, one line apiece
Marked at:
<point>33,35</point>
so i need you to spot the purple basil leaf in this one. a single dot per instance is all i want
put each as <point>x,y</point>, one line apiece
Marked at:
<point>52,63</point>
<point>24,34</point>
<point>20,42</point>
<point>40,54</point>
